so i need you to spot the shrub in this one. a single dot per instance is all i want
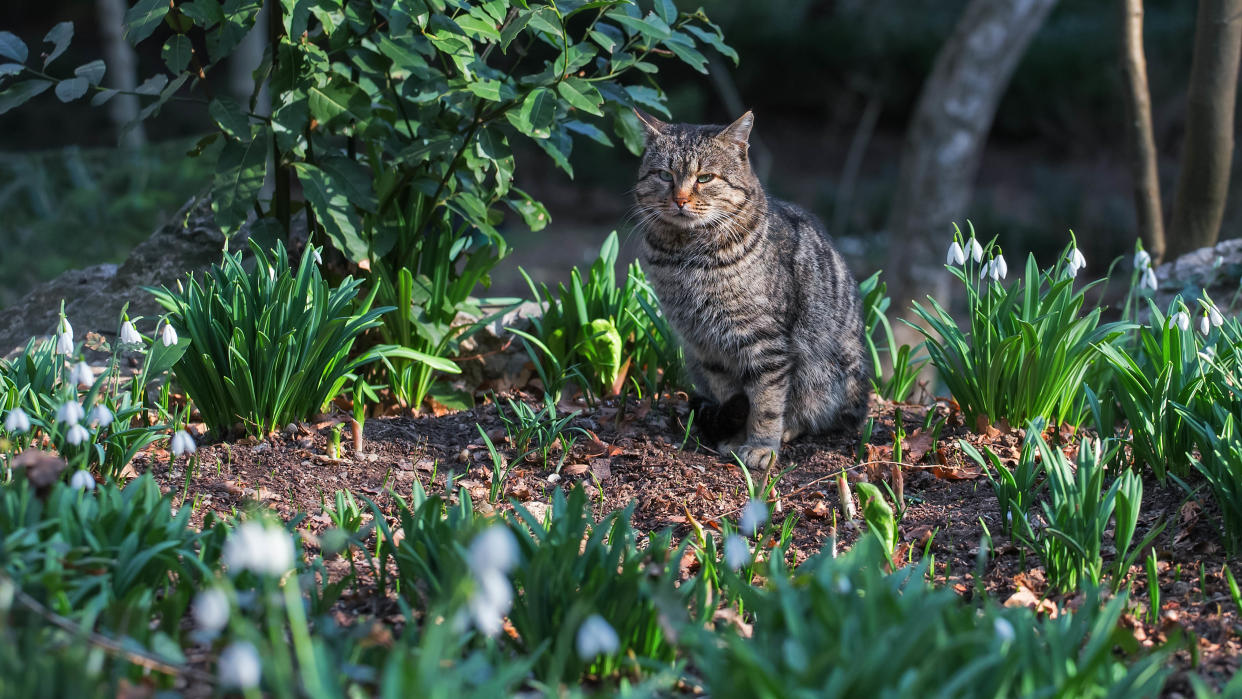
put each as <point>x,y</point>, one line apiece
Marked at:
<point>271,345</point>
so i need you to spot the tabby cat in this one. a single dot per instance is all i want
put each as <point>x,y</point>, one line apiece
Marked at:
<point>767,311</point>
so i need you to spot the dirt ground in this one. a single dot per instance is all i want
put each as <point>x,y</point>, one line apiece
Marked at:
<point>636,455</point>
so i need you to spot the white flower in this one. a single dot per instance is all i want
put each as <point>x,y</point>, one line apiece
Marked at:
<point>1148,280</point>
<point>258,548</point>
<point>64,343</point>
<point>1004,629</point>
<point>318,257</point>
<point>754,515</point>
<point>494,549</point>
<point>491,599</point>
<point>1076,261</point>
<point>999,269</point>
<point>82,480</point>
<point>129,334</point>
<point>239,666</point>
<point>844,586</point>
<point>81,374</point>
<point>65,327</point>
<point>70,412</point>
<point>1181,320</point>
<point>17,421</point>
<point>211,610</point>
<point>99,416</point>
<point>182,443</point>
<point>1142,260</point>
<point>955,256</point>
<point>1215,316</point>
<point>77,434</point>
<point>736,551</point>
<point>975,250</point>
<point>596,637</point>
<point>1205,325</point>
<point>168,335</point>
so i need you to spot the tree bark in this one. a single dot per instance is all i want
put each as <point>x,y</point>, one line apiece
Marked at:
<point>945,138</point>
<point>1140,136</point>
<point>122,71</point>
<point>1203,183</point>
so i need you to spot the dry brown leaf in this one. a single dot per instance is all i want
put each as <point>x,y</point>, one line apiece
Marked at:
<point>575,469</point>
<point>916,445</point>
<point>820,510</point>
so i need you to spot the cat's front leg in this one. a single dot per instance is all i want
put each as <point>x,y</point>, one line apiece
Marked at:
<point>768,392</point>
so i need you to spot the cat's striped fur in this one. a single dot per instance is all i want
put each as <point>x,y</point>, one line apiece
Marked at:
<point>764,304</point>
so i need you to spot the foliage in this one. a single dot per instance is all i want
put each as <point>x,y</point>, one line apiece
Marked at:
<point>1016,489</point>
<point>1220,464</point>
<point>534,432</point>
<point>903,372</point>
<point>817,631</point>
<point>606,334</point>
<point>270,345</point>
<point>1027,347</point>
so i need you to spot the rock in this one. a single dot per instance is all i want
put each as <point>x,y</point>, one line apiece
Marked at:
<point>1215,269</point>
<point>94,296</point>
<point>493,358</point>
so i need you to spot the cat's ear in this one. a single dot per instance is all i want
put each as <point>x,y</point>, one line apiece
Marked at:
<point>655,127</point>
<point>739,131</point>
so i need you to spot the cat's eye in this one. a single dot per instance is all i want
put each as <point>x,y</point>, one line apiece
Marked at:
<point>705,177</point>
<point>666,175</point>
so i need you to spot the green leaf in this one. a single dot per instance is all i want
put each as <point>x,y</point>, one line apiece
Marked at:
<point>536,115</point>
<point>531,211</point>
<point>103,96</point>
<point>71,89</point>
<point>152,85</point>
<point>353,178</point>
<point>11,69</point>
<point>338,102</point>
<point>513,28</point>
<point>176,52</point>
<point>651,28</point>
<point>688,54</point>
<point>59,38</point>
<point>487,89</point>
<point>239,179</point>
<point>20,93</point>
<point>227,114</point>
<point>12,47</point>
<point>601,346</point>
<point>715,41</point>
<point>478,28</point>
<point>581,94</point>
<point>591,131</point>
<point>666,10</point>
<point>143,18</point>
<point>333,209</point>
<point>93,71</point>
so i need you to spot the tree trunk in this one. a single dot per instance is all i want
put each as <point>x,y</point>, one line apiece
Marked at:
<point>945,138</point>
<point>1140,137</point>
<point>122,71</point>
<point>1203,183</point>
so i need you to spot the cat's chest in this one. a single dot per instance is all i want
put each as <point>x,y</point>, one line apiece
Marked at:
<point>704,306</point>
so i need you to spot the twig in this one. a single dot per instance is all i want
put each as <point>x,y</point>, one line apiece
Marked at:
<point>107,644</point>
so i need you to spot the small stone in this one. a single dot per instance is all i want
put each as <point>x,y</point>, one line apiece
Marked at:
<point>554,477</point>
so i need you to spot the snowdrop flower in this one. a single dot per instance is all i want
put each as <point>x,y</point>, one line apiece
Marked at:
<point>70,412</point>
<point>81,374</point>
<point>974,249</point>
<point>318,257</point>
<point>754,515</point>
<point>596,637</point>
<point>99,417</point>
<point>1205,325</point>
<point>77,434</point>
<point>999,268</point>
<point>1076,261</point>
<point>211,610</point>
<point>1181,320</point>
<point>239,666</point>
<point>736,551</point>
<point>955,256</point>
<point>168,335</point>
<point>129,334</point>
<point>844,586</point>
<point>1142,260</point>
<point>1004,629</point>
<point>493,549</point>
<point>1215,317</point>
<point>65,327</point>
<point>258,548</point>
<point>82,480</point>
<point>182,443</point>
<point>64,343</point>
<point>17,421</point>
<point>1148,279</point>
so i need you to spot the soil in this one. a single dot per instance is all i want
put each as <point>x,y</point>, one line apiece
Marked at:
<point>633,453</point>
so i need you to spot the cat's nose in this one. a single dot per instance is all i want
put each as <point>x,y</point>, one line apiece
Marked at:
<point>681,199</point>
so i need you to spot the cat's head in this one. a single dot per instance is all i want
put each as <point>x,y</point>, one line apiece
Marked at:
<point>695,176</point>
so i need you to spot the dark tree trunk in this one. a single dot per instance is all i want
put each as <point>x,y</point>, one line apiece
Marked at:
<point>1140,137</point>
<point>1203,183</point>
<point>122,74</point>
<point>945,138</point>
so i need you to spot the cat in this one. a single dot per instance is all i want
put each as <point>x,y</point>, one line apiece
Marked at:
<point>765,307</point>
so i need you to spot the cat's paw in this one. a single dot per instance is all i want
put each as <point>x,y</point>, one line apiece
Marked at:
<point>757,455</point>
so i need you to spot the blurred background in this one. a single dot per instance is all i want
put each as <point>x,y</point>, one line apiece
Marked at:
<point>833,83</point>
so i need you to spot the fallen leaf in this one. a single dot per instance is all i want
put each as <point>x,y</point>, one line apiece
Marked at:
<point>916,445</point>
<point>956,474</point>
<point>575,469</point>
<point>820,510</point>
